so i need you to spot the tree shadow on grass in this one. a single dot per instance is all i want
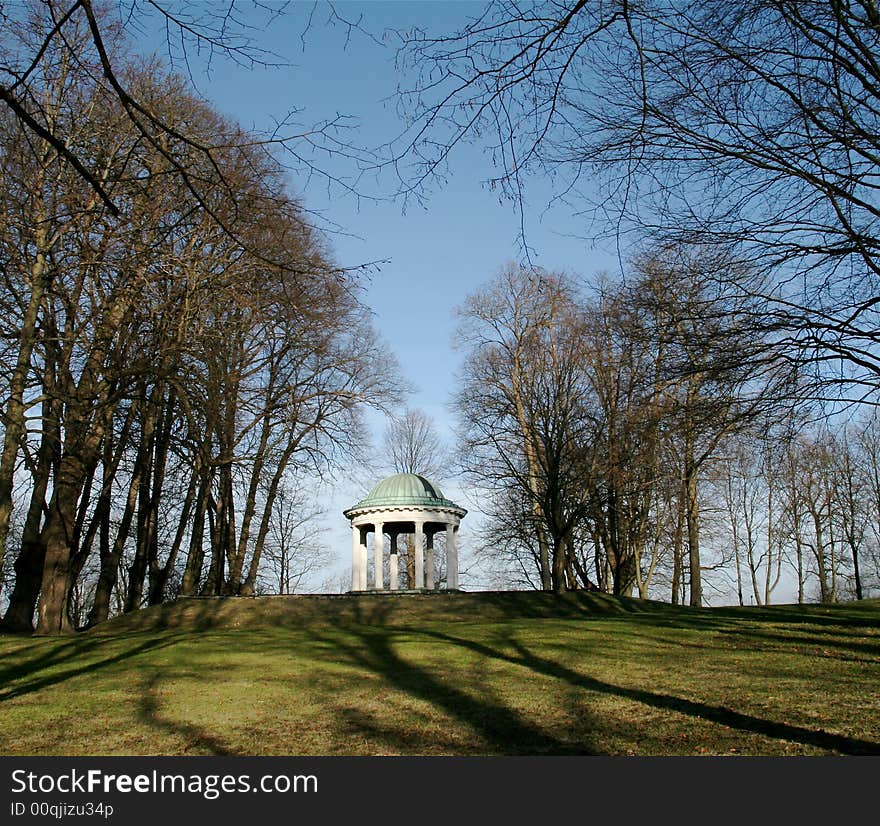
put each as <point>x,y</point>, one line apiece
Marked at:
<point>149,713</point>
<point>715,714</point>
<point>48,652</point>
<point>838,644</point>
<point>835,618</point>
<point>839,628</point>
<point>41,672</point>
<point>500,727</point>
<point>406,739</point>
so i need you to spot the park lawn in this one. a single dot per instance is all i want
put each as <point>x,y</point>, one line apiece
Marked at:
<point>666,681</point>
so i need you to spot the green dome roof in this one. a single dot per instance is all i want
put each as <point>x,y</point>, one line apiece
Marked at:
<point>405,489</point>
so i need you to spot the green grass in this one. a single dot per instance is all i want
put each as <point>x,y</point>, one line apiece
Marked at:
<point>449,674</point>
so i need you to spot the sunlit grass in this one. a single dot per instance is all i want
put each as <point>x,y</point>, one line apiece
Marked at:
<point>599,678</point>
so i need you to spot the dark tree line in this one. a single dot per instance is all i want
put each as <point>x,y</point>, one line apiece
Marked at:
<point>639,437</point>
<point>176,340</point>
<point>169,357</point>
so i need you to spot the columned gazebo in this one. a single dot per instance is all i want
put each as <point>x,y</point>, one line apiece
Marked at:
<point>403,504</point>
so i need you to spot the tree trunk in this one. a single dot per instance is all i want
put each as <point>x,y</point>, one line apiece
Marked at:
<point>32,555</point>
<point>265,521</point>
<point>735,536</point>
<point>236,562</point>
<point>56,536</point>
<point>677,546</point>
<point>195,558</point>
<point>799,552</point>
<point>214,581</point>
<point>162,443</point>
<point>137,571</point>
<point>559,565</point>
<point>159,576</point>
<point>856,572</point>
<point>693,533</point>
<point>111,557</point>
<point>14,414</point>
<point>549,579</point>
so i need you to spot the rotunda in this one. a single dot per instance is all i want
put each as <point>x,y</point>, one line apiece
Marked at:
<point>405,503</point>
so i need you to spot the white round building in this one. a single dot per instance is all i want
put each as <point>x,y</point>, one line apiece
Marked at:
<point>403,504</point>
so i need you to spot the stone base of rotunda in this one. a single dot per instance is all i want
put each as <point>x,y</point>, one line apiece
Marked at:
<point>405,591</point>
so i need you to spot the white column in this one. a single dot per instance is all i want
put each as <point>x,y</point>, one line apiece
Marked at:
<point>362,567</point>
<point>451,557</point>
<point>429,562</point>
<point>378,549</point>
<point>419,558</point>
<point>393,563</point>
<point>356,558</point>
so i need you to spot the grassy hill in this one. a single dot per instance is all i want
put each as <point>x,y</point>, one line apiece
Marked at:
<point>493,673</point>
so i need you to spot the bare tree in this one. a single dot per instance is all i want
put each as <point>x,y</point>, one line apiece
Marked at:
<point>717,373</point>
<point>828,507</point>
<point>94,37</point>
<point>594,421</point>
<point>752,497</point>
<point>520,386</point>
<point>411,444</point>
<point>854,496</point>
<point>161,369</point>
<point>868,451</point>
<point>751,127</point>
<point>819,504</point>
<point>293,549</point>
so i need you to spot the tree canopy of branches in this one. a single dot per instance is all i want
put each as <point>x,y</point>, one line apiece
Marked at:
<point>166,362</point>
<point>752,127</point>
<point>411,444</point>
<point>90,35</point>
<point>591,424</point>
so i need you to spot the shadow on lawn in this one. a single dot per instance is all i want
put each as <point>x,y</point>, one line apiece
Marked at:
<point>508,732</point>
<point>843,616</point>
<point>838,646</point>
<point>825,643</point>
<point>502,728</point>
<point>716,714</point>
<point>149,713</point>
<point>49,669</point>
<point>843,640</point>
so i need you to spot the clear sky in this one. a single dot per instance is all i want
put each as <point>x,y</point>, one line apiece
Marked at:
<point>432,254</point>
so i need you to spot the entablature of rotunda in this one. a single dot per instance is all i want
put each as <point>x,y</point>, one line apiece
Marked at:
<point>391,515</point>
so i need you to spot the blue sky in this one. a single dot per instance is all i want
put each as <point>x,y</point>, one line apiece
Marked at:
<point>432,253</point>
